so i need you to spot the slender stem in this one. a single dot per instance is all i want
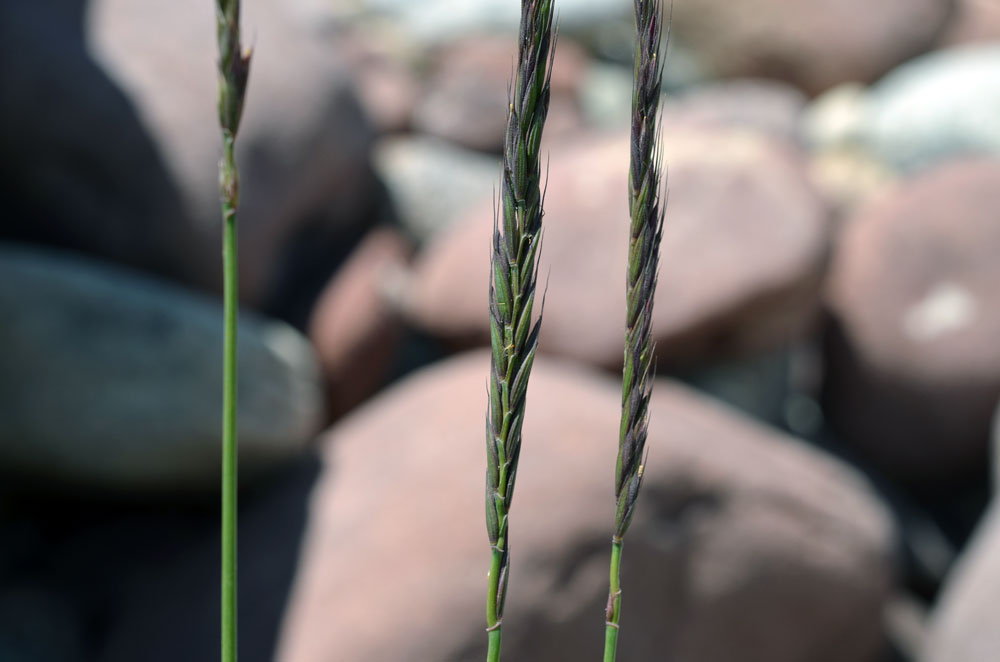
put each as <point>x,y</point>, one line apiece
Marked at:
<point>229,448</point>
<point>492,621</point>
<point>493,654</point>
<point>613,613</point>
<point>234,68</point>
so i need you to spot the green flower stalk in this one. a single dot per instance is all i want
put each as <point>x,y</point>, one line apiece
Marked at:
<point>646,228</point>
<point>234,68</point>
<point>514,275</point>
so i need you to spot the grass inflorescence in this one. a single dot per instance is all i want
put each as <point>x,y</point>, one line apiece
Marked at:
<point>646,226</point>
<point>234,68</point>
<point>514,259</point>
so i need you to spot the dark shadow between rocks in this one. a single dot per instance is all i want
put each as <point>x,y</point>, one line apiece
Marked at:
<point>94,579</point>
<point>170,610</point>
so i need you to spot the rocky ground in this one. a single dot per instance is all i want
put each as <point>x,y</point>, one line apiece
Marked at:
<point>819,485</point>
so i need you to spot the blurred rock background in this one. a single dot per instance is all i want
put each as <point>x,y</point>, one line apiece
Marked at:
<point>819,483</point>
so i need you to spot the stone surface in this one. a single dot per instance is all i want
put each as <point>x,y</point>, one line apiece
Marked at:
<point>937,107</point>
<point>745,545</point>
<point>975,21</point>
<point>77,167</point>
<point>39,626</point>
<point>932,109</point>
<point>438,21</point>
<point>814,45</point>
<point>836,117</point>
<point>913,366</point>
<point>762,105</point>
<point>843,164</point>
<point>303,143</point>
<point>388,91</point>
<point>113,380</point>
<point>606,96</point>
<point>965,626</point>
<point>742,254</point>
<point>848,177</point>
<point>355,327</point>
<point>431,182</point>
<point>466,101</point>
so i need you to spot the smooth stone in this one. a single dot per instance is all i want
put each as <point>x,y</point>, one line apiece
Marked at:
<point>938,107</point>
<point>964,623</point>
<point>812,45</point>
<point>744,248</point>
<point>113,380</point>
<point>913,369</point>
<point>304,140</point>
<point>930,110</point>
<point>356,327</point>
<point>79,170</point>
<point>432,182</point>
<point>740,531</point>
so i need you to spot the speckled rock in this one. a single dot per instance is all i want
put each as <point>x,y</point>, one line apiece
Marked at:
<point>739,532</point>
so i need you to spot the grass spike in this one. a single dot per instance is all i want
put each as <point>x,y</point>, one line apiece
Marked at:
<point>646,209</point>
<point>515,252</point>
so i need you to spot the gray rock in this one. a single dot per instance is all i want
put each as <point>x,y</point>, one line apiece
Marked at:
<point>938,107</point>
<point>114,380</point>
<point>758,385</point>
<point>965,625</point>
<point>745,545</point>
<point>606,96</point>
<point>433,182</point>
<point>439,20</point>
<point>606,27</point>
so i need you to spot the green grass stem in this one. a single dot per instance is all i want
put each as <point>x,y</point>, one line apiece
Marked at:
<point>234,67</point>
<point>613,612</point>
<point>229,447</point>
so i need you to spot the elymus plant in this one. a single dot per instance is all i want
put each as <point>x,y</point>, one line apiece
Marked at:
<point>234,68</point>
<point>646,226</point>
<point>515,250</point>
